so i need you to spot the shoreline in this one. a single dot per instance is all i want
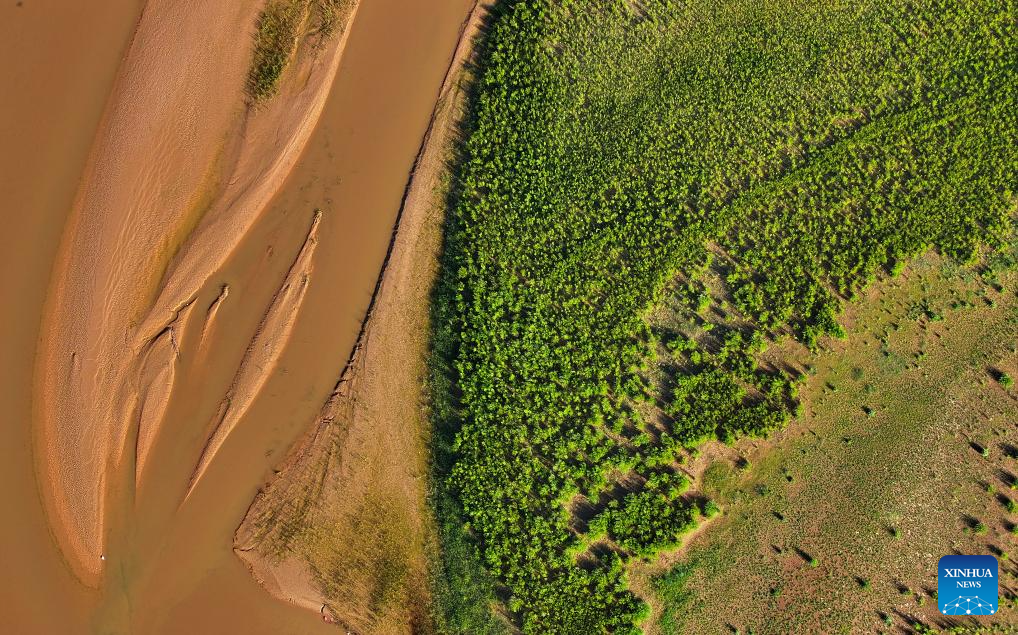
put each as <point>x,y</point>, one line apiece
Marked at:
<point>359,410</point>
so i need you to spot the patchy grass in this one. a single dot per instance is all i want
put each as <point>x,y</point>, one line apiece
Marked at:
<point>906,450</point>
<point>282,26</point>
<point>671,589</point>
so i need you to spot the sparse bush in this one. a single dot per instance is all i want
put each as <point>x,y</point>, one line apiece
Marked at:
<point>276,40</point>
<point>711,509</point>
<point>281,27</point>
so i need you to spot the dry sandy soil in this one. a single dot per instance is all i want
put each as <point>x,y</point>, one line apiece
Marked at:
<point>343,528</point>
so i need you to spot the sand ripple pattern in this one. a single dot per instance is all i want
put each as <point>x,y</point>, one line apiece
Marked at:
<point>180,169</point>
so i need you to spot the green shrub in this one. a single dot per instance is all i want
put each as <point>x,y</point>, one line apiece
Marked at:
<point>711,509</point>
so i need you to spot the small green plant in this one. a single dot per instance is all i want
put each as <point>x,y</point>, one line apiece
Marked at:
<point>980,529</point>
<point>896,533</point>
<point>275,43</point>
<point>1006,380</point>
<point>1011,506</point>
<point>711,509</point>
<point>814,563</point>
<point>281,26</point>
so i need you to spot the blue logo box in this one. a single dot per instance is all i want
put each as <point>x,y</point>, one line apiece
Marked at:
<point>967,585</point>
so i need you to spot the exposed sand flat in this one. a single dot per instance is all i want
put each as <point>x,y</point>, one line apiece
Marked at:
<point>347,507</point>
<point>288,579</point>
<point>210,317</point>
<point>263,353</point>
<point>180,169</point>
<point>273,135</point>
<point>168,568</point>
<point>156,377</point>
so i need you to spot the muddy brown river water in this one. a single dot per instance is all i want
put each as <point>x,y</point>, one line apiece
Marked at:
<point>169,566</point>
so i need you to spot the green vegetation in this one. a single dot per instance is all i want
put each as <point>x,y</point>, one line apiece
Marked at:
<point>281,27</point>
<point>650,196</point>
<point>670,588</point>
<point>649,520</point>
<point>841,506</point>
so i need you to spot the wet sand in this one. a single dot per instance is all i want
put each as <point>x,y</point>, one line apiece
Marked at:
<point>355,484</point>
<point>180,169</point>
<point>169,567</point>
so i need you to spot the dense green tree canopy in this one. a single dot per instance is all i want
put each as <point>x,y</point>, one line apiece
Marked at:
<point>796,148</point>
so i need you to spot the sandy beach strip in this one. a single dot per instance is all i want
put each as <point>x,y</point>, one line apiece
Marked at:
<point>262,355</point>
<point>367,447</point>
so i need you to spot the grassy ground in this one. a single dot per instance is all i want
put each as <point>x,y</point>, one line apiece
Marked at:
<point>906,451</point>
